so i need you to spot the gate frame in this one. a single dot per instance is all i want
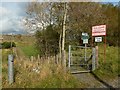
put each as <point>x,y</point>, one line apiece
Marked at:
<point>93,58</point>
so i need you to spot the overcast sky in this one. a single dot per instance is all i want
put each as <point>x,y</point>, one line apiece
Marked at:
<point>11,14</point>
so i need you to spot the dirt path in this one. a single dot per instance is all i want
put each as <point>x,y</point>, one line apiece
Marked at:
<point>94,82</point>
<point>19,54</point>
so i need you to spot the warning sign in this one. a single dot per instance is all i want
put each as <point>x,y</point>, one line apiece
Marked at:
<point>99,30</point>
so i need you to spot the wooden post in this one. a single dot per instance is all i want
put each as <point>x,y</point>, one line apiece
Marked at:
<point>38,57</point>
<point>56,59</point>
<point>105,49</point>
<point>69,59</point>
<point>93,58</point>
<point>32,58</point>
<point>92,41</point>
<point>96,47</point>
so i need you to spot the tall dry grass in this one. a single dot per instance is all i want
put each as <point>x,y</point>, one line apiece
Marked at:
<point>41,74</point>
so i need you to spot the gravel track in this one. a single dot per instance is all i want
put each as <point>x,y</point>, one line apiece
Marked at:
<point>94,82</point>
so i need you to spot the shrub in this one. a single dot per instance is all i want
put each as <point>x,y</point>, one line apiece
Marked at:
<point>7,45</point>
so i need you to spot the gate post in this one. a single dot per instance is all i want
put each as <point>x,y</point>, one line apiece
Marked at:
<point>69,57</point>
<point>96,47</point>
<point>10,69</point>
<point>93,58</point>
<point>71,61</point>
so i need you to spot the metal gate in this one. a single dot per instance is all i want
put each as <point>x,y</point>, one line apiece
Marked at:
<point>81,59</point>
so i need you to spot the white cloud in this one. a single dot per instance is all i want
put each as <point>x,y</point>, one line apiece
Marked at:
<point>4,12</point>
<point>5,24</point>
<point>10,20</point>
<point>24,0</point>
<point>53,0</point>
<point>4,18</point>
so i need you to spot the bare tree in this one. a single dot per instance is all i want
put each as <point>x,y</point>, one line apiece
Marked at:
<point>39,17</point>
<point>63,36</point>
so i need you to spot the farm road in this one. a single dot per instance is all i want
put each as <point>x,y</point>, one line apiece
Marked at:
<point>94,82</point>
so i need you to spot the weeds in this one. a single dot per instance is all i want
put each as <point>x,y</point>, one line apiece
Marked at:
<point>108,68</point>
<point>50,75</point>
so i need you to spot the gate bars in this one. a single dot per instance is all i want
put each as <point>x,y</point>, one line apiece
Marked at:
<point>94,62</point>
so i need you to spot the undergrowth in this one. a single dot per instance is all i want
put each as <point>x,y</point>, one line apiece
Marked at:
<point>108,68</point>
<point>50,75</point>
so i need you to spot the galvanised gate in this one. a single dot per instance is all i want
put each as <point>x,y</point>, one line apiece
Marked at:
<point>81,59</point>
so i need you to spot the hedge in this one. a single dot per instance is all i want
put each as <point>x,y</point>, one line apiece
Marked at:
<point>6,45</point>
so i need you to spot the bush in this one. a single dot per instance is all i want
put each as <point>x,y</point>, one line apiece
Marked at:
<point>7,45</point>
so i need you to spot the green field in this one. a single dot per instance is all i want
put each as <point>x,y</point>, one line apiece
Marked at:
<point>29,50</point>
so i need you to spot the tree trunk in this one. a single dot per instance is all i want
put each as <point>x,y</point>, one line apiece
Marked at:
<point>63,38</point>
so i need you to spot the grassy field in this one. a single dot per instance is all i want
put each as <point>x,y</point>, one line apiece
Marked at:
<point>29,50</point>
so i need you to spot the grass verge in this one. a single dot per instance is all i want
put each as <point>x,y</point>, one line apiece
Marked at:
<point>50,75</point>
<point>108,68</point>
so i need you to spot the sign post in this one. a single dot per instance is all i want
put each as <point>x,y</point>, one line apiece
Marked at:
<point>105,48</point>
<point>85,53</point>
<point>100,31</point>
<point>85,38</point>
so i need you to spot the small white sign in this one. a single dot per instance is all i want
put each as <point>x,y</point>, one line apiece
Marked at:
<point>84,34</point>
<point>85,41</point>
<point>98,39</point>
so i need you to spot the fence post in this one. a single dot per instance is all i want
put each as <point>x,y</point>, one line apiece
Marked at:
<point>93,58</point>
<point>32,58</point>
<point>69,57</point>
<point>56,59</point>
<point>10,69</point>
<point>96,47</point>
<point>71,60</point>
<point>64,60</point>
<point>38,57</point>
